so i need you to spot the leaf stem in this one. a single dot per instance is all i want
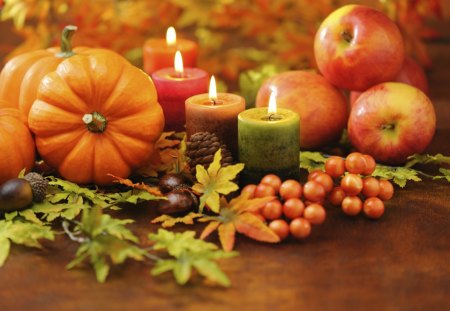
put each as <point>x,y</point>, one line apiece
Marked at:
<point>152,257</point>
<point>71,235</point>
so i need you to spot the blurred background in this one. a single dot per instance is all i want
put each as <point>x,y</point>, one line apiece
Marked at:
<point>234,35</point>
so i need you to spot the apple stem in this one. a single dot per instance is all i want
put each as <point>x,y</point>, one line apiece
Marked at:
<point>347,36</point>
<point>388,126</point>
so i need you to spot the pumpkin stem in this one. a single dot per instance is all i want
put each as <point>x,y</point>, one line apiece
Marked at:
<point>66,41</point>
<point>95,122</point>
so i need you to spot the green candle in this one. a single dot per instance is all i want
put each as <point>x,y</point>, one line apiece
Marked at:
<point>269,142</point>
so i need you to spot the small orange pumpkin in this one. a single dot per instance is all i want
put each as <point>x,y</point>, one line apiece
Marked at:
<point>17,149</point>
<point>96,114</point>
<point>20,78</point>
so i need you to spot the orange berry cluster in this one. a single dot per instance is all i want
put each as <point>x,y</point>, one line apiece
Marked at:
<point>288,214</point>
<point>344,183</point>
<point>355,193</point>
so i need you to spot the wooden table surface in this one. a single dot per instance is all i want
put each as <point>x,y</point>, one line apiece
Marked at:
<point>401,262</point>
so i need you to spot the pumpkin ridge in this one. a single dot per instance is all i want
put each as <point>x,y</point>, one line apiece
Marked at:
<point>97,103</point>
<point>58,146</point>
<point>47,120</point>
<point>129,77</point>
<point>121,148</point>
<point>17,68</point>
<point>54,90</point>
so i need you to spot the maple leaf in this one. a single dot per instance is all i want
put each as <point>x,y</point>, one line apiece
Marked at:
<point>168,156</point>
<point>215,181</point>
<point>23,233</point>
<point>399,175</point>
<point>168,221</point>
<point>105,238</point>
<point>188,252</point>
<point>312,160</point>
<point>437,159</point>
<point>237,216</point>
<point>445,174</point>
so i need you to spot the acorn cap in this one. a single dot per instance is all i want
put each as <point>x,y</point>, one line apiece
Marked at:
<point>38,186</point>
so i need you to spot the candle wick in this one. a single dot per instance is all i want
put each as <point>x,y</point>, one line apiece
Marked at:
<point>213,101</point>
<point>271,116</point>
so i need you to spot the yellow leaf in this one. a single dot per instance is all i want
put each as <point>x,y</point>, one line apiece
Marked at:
<point>215,166</point>
<point>215,181</point>
<point>212,200</point>
<point>230,172</point>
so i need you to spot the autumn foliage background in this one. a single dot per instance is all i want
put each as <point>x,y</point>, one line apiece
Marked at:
<point>234,35</point>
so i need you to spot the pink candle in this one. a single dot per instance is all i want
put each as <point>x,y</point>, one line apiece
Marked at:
<point>216,113</point>
<point>174,86</point>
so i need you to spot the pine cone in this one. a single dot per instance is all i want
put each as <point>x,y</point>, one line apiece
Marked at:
<point>202,146</point>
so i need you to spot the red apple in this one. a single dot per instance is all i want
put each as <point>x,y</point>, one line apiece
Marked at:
<point>411,73</point>
<point>392,121</point>
<point>322,108</point>
<point>357,47</point>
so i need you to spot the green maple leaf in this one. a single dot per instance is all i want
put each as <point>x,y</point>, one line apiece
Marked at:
<point>399,175</point>
<point>106,239</point>
<point>23,233</point>
<point>215,181</point>
<point>189,253</point>
<point>312,160</point>
<point>427,159</point>
<point>445,174</point>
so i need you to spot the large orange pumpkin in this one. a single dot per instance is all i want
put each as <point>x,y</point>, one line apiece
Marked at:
<point>94,115</point>
<point>21,76</point>
<point>17,149</point>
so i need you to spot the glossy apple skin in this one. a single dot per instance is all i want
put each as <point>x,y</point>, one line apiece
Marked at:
<point>411,73</point>
<point>322,108</point>
<point>372,52</point>
<point>392,121</point>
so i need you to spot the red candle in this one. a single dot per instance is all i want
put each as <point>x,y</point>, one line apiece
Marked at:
<point>159,53</point>
<point>216,113</point>
<point>174,85</point>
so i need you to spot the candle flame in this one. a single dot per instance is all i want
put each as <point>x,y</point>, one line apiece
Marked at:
<point>171,36</point>
<point>212,89</point>
<point>273,101</point>
<point>178,64</point>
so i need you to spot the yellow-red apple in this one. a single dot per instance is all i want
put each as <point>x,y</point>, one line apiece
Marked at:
<point>357,47</point>
<point>411,73</point>
<point>392,121</point>
<point>322,108</point>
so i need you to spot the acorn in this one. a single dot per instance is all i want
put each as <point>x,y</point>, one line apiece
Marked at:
<point>179,200</point>
<point>19,193</point>
<point>172,181</point>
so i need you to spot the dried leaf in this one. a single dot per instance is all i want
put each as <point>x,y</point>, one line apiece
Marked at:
<point>169,221</point>
<point>152,190</point>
